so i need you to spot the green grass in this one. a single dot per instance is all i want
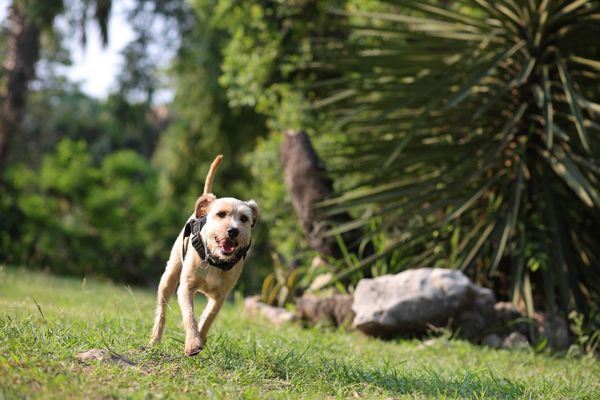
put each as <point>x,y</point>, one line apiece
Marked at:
<point>245,357</point>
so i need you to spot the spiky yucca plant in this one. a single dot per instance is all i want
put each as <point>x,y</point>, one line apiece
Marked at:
<point>473,128</point>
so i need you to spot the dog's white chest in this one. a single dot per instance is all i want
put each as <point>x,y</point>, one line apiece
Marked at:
<point>214,280</point>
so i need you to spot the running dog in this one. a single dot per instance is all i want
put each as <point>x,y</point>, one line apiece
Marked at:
<point>207,257</point>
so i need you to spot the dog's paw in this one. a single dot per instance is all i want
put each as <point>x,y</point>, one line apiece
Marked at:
<point>193,347</point>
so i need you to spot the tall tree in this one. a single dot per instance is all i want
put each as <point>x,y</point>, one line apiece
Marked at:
<point>205,124</point>
<point>22,52</point>
<point>26,21</point>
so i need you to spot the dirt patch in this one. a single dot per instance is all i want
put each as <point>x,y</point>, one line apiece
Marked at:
<point>106,356</point>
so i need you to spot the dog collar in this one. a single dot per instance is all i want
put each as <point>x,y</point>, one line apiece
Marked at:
<point>192,229</point>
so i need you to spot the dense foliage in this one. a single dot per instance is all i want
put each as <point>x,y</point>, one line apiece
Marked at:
<point>75,217</point>
<point>474,128</point>
<point>460,133</point>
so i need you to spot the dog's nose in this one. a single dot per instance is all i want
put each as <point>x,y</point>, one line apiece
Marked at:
<point>233,232</point>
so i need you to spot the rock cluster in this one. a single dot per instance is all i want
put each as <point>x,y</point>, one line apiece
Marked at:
<point>412,301</point>
<point>415,301</point>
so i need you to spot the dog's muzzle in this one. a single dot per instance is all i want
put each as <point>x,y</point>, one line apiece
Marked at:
<point>192,229</point>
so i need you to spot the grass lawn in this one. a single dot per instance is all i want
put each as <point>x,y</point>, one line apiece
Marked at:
<point>245,357</point>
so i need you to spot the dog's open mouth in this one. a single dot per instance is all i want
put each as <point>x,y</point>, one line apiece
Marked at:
<point>227,246</point>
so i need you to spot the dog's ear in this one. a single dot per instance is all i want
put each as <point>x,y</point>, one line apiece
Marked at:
<point>203,204</point>
<point>254,207</point>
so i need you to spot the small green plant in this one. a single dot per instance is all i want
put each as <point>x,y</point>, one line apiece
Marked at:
<point>279,286</point>
<point>587,337</point>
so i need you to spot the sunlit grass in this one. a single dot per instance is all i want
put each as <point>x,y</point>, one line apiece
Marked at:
<point>244,357</point>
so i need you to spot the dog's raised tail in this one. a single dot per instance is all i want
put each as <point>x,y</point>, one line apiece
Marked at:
<point>210,177</point>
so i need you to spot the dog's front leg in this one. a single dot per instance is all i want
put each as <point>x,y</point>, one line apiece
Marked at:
<point>185,297</point>
<point>208,315</point>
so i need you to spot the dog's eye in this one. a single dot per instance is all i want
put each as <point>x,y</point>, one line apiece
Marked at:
<point>221,214</point>
<point>244,219</point>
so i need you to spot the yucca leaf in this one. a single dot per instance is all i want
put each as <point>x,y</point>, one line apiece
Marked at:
<point>509,14</point>
<point>587,164</point>
<point>571,96</point>
<point>413,23</point>
<point>566,9</point>
<point>390,247</point>
<point>470,235</point>
<point>567,170</point>
<point>548,110</point>
<point>460,108</point>
<point>476,196</point>
<point>559,242</point>
<point>528,297</point>
<point>595,64</point>
<point>477,247</point>
<point>511,220</point>
<point>517,273</point>
<point>335,98</point>
<point>595,107</point>
<point>466,88</point>
<point>441,12</point>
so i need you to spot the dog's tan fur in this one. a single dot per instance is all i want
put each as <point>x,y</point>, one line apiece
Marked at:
<point>194,274</point>
<point>210,177</point>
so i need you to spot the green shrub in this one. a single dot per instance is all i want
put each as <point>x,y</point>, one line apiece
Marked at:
<point>473,129</point>
<point>77,218</point>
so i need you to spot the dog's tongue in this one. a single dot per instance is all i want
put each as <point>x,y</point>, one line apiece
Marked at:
<point>227,246</point>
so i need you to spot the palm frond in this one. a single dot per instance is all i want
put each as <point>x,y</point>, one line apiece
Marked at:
<point>480,115</point>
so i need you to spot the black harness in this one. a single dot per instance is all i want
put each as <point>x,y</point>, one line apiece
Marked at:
<point>192,229</point>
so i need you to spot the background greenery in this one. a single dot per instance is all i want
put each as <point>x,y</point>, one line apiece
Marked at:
<point>461,134</point>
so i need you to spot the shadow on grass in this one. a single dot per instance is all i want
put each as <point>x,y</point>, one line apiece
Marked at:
<point>426,382</point>
<point>306,371</point>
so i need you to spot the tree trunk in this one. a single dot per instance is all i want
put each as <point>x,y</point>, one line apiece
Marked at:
<point>22,53</point>
<point>307,184</point>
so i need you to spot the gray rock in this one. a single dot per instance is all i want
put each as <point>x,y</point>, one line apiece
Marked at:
<point>276,315</point>
<point>553,327</point>
<point>516,341</point>
<point>508,318</point>
<point>506,312</point>
<point>334,309</point>
<point>412,300</point>
<point>319,282</point>
<point>471,323</point>
<point>492,340</point>
<point>478,313</point>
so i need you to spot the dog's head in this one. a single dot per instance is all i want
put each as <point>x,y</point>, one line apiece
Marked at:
<point>229,222</point>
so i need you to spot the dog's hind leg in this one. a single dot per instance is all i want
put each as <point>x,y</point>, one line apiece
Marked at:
<point>166,288</point>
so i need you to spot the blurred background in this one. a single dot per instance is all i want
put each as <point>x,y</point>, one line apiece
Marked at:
<point>457,134</point>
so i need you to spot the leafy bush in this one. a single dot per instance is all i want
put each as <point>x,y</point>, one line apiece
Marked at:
<point>77,218</point>
<point>473,129</point>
